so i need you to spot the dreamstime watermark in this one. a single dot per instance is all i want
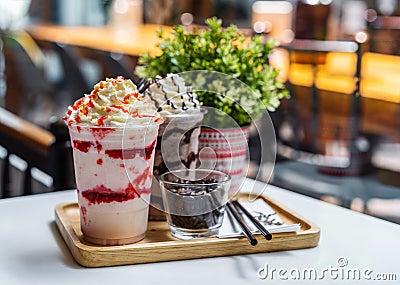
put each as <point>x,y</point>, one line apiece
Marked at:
<point>341,271</point>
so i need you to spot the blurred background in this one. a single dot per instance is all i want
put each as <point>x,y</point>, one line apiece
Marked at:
<point>337,136</point>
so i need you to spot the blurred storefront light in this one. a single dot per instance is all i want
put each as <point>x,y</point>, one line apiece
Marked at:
<point>312,2</point>
<point>187,19</point>
<point>361,37</point>
<point>387,7</point>
<point>273,18</point>
<point>370,15</point>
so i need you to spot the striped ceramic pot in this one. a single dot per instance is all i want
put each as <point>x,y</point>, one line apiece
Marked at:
<point>225,150</point>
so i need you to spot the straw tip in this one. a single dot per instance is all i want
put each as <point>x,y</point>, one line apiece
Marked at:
<point>253,242</point>
<point>268,237</point>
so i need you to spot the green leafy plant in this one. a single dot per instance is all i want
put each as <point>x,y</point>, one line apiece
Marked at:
<point>225,50</point>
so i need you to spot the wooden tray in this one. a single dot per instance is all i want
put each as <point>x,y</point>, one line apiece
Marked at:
<point>159,245</point>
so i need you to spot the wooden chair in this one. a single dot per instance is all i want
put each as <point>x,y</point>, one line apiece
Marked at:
<point>112,64</point>
<point>29,94</point>
<point>73,82</point>
<point>313,124</point>
<point>304,119</point>
<point>30,129</point>
<point>48,151</point>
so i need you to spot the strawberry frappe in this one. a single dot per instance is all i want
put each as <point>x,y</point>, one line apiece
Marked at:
<point>113,134</point>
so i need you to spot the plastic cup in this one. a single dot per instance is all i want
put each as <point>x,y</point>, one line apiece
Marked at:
<point>177,148</point>
<point>178,142</point>
<point>113,172</point>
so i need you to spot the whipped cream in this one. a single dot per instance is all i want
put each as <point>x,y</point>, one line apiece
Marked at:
<point>113,102</point>
<point>171,96</point>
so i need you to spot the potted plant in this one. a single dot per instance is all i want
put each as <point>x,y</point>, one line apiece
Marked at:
<point>249,87</point>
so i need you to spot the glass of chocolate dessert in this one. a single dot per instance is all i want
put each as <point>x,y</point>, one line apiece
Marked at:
<point>194,201</point>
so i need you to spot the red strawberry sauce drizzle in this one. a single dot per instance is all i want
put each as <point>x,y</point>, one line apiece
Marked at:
<point>100,133</point>
<point>84,211</point>
<point>98,146</point>
<point>84,146</point>
<point>142,177</point>
<point>131,153</point>
<point>101,194</point>
<point>120,107</point>
<point>100,121</point>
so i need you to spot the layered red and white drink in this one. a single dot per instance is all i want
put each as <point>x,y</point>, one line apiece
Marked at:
<point>113,134</point>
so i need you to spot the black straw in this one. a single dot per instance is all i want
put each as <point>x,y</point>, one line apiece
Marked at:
<point>260,227</point>
<point>143,87</point>
<point>253,241</point>
<point>142,84</point>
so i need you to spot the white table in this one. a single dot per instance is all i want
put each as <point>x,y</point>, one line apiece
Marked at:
<point>33,252</point>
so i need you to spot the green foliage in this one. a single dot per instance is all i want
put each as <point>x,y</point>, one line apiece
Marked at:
<point>224,50</point>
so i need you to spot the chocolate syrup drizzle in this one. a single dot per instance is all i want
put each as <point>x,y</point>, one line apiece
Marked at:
<point>192,157</point>
<point>153,100</point>
<point>188,135</point>
<point>189,93</point>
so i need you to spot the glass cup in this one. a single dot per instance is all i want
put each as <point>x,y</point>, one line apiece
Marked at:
<point>194,201</point>
<point>113,172</point>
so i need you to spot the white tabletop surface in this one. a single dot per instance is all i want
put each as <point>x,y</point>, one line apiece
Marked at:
<point>33,252</point>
